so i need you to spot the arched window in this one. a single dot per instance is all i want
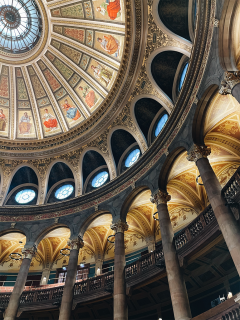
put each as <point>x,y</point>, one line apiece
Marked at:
<point>161,124</point>
<point>25,196</point>
<point>100,179</point>
<point>64,191</point>
<point>182,76</point>
<point>132,157</point>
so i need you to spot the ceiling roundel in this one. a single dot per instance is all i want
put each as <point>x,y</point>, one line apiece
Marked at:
<point>59,61</point>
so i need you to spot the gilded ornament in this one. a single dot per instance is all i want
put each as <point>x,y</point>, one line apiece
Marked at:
<point>76,244</point>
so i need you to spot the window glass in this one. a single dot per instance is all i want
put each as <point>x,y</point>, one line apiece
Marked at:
<point>161,124</point>
<point>183,76</point>
<point>25,196</point>
<point>100,179</point>
<point>132,157</point>
<point>64,191</point>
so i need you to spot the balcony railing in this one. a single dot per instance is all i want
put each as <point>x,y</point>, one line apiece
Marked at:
<point>203,223</point>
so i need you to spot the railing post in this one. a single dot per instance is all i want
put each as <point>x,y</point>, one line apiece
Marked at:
<point>202,221</point>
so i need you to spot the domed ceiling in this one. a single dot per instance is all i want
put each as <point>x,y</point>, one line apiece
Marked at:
<point>59,61</point>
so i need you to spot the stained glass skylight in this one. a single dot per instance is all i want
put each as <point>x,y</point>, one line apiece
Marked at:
<point>20,25</point>
<point>132,157</point>
<point>100,179</point>
<point>25,196</point>
<point>64,191</point>
<point>161,124</point>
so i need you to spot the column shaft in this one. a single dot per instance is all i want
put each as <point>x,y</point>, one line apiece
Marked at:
<point>120,303</point>
<point>67,298</point>
<point>13,304</point>
<point>176,281</point>
<point>236,92</point>
<point>226,221</point>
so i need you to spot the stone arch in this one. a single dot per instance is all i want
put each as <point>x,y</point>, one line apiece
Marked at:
<point>149,72</point>
<point>199,116</point>
<point>111,168</point>
<point>162,26</point>
<point>164,173</point>
<point>76,178</point>
<point>15,170</point>
<point>142,144</point>
<point>48,229</point>
<point>229,35</point>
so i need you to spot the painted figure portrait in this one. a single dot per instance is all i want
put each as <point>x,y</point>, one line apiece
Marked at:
<point>49,121</point>
<point>102,74</point>
<point>24,124</point>
<point>88,95</point>
<point>3,120</point>
<point>71,111</point>
<point>112,9</point>
<point>110,45</point>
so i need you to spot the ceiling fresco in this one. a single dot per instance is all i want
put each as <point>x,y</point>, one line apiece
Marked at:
<point>67,81</point>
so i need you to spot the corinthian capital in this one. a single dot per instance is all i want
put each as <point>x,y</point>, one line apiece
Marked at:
<point>198,152</point>
<point>160,197</point>
<point>229,82</point>
<point>119,226</point>
<point>76,243</point>
<point>28,253</point>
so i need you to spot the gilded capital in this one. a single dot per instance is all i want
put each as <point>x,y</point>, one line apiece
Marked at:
<point>229,82</point>
<point>160,197</point>
<point>198,152</point>
<point>28,253</point>
<point>119,226</point>
<point>76,243</point>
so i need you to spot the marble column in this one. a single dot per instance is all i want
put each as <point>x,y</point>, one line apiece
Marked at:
<point>177,287</point>
<point>119,295</point>
<point>231,85</point>
<point>67,298</point>
<point>227,223</point>
<point>27,255</point>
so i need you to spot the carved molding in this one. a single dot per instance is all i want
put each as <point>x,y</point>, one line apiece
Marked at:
<point>29,253</point>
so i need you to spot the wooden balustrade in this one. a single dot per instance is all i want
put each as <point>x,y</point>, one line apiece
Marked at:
<point>231,190</point>
<point>195,227</point>
<point>4,299</point>
<point>233,314</point>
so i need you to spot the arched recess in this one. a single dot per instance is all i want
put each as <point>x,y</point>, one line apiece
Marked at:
<point>146,111</point>
<point>121,143</point>
<point>221,132</point>
<point>92,162</point>
<point>24,176</point>
<point>11,241</point>
<point>229,35</point>
<point>59,174</point>
<point>164,25</point>
<point>169,78</point>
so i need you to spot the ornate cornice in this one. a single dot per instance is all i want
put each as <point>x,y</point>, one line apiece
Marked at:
<point>29,253</point>
<point>119,226</point>
<point>160,197</point>
<point>76,244</point>
<point>198,62</point>
<point>231,79</point>
<point>198,152</point>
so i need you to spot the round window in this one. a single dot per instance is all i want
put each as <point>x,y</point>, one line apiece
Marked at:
<point>64,191</point>
<point>182,77</point>
<point>25,196</point>
<point>132,157</point>
<point>161,124</point>
<point>100,179</point>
